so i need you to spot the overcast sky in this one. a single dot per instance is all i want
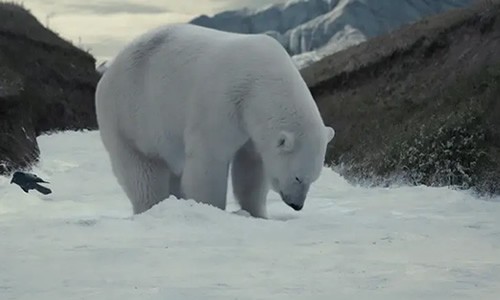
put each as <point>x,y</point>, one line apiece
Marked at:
<point>105,26</point>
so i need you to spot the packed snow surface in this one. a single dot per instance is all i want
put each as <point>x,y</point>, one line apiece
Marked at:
<point>349,242</point>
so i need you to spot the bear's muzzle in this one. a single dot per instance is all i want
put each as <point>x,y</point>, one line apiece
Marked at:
<point>296,199</point>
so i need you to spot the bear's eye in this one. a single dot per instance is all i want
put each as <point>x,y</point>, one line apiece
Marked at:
<point>298,180</point>
<point>281,142</point>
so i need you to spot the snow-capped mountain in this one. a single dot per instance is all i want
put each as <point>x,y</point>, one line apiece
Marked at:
<point>311,29</point>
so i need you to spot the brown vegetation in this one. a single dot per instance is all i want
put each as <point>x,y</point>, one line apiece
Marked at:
<point>46,84</point>
<point>420,104</point>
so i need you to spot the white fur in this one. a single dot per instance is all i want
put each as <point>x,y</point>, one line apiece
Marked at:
<point>181,103</point>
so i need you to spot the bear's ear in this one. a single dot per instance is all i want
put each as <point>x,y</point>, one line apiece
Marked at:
<point>286,141</point>
<point>330,133</point>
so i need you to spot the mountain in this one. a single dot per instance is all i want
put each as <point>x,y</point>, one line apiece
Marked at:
<point>311,29</point>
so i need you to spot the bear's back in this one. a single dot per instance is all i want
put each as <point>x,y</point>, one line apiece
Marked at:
<point>176,61</point>
<point>171,75</point>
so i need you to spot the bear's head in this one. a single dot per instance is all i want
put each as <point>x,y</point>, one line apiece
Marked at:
<point>296,162</point>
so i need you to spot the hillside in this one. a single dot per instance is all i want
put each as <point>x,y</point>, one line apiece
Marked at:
<point>46,84</point>
<point>311,29</point>
<point>420,104</point>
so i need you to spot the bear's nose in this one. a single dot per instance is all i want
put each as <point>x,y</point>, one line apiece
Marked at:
<point>296,207</point>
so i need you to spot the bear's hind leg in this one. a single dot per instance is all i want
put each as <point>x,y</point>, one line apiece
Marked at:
<point>250,187</point>
<point>146,181</point>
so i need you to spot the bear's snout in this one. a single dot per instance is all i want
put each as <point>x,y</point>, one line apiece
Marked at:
<point>296,207</point>
<point>296,202</point>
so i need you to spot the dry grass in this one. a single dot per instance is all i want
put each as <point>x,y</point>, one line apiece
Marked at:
<point>394,98</point>
<point>47,84</point>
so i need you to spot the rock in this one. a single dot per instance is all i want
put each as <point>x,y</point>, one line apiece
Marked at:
<point>46,85</point>
<point>420,105</point>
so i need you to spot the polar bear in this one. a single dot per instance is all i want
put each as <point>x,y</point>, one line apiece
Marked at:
<point>182,105</point>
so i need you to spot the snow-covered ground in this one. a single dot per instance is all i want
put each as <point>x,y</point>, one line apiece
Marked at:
<point>349,242</point>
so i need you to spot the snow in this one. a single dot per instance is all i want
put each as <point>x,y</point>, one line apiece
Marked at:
<point>349,242</point>
<point>345,38</point>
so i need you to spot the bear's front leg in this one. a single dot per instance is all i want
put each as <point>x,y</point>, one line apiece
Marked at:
<point>249,182</point>
<point>204,179</point>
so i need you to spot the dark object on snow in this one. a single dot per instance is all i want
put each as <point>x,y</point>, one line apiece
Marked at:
<point>29,182</point>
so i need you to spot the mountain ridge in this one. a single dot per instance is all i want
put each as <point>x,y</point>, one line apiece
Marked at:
<point>311,29</point>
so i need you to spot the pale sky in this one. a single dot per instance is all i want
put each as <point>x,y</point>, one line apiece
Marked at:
<point>104,26</point>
